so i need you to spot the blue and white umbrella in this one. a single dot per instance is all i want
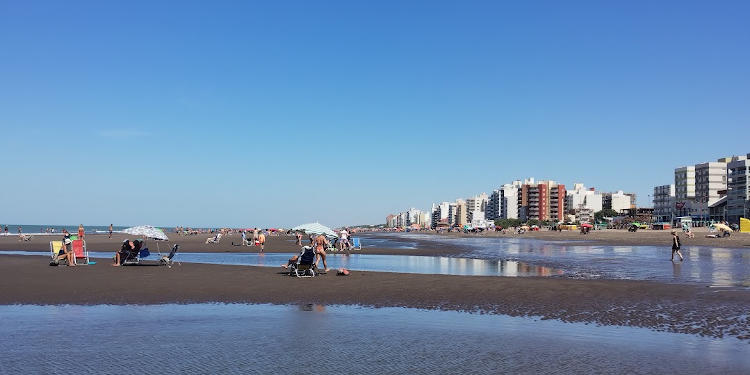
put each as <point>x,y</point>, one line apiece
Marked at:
<point>147,231</point>
<point>315,228</point>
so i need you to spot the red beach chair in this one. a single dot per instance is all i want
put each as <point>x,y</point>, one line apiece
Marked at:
<point>79,249</point>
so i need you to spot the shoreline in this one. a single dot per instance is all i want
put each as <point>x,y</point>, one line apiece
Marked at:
<point>611,237</point>
<point>657,306</point>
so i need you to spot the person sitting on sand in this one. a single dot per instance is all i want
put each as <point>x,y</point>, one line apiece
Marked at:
<point>66,251</point>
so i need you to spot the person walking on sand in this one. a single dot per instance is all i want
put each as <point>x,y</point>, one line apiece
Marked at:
<point>81,232</point>
<point>299,238</point>
<point>676,246</point>
<point>262,241</point>
<point>255,236</point>
<point>110,230</point>
<point>244,238</point>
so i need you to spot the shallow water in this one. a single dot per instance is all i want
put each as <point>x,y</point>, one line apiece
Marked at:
<point>263,339</point>
<point>361,262</point>
<point>703,265</point>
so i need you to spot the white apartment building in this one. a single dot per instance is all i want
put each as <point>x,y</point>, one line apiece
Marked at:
<point>620,201</point>
<point>581,198</point>
<point>710,178</point>
<point>664,200</point>
<point>684,190</point>
<point>477,203</point>
<point>503,202</point>
<point>439,212</point>
<point>738,189</point>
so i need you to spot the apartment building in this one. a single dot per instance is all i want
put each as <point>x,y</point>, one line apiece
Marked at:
<point>738,189</point>
<point>542,201</point>
<point>581,198</point>
<point>664,200</point>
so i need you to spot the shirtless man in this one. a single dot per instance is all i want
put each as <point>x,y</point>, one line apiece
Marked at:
<point>262,241</point>
<point>320,245</point>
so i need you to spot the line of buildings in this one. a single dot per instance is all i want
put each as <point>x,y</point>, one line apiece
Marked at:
<point>526,200</point>
<point>706,192</point>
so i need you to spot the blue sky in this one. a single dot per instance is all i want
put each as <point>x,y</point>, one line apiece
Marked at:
<point>278,113</point>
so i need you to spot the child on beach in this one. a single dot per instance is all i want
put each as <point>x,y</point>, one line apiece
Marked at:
<point>676,246</point>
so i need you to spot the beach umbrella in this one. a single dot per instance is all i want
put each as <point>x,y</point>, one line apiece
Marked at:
<point>147,231</point>
<point>315,228</point>
<point>587,225</point>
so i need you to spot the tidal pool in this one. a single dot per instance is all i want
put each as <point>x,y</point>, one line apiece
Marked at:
<point>264,339</point>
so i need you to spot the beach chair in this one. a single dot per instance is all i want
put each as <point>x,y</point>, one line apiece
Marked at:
<point>356,243</point>
<point>134,257</point>
<point>305,266</point>
<point>80,252</point>
<point>168,260</point>
<point>54,248</point>
<point>214,239</point>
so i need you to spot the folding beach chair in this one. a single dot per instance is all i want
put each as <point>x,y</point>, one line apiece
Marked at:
<point>54,249</point>
<point>356,243</point>
<point>133,257</point>
<point>80,252</point>
<point>168,260</point>
<point>305,266</point>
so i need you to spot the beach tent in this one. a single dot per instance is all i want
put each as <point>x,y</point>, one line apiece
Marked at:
<point>744,225</point>
<point>315,228</point>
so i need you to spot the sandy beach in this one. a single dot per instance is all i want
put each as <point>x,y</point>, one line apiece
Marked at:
<point>197,243</point>
<point>669,307</point>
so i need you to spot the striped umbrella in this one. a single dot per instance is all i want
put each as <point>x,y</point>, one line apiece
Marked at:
<point>147,231</point>
<point>315,228</point>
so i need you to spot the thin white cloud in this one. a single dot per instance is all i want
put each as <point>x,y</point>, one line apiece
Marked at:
<point>123,133</point>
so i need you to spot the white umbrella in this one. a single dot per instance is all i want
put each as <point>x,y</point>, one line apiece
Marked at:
<point>147,231</point>
<point>315,228</point>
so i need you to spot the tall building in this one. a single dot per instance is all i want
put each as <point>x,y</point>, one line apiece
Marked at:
<point>699,187</point>
<point>738,189</point>
<point>710,179</point>
<point>664,199</point>
<point>462,214</point>
<point>503,202</point>
<point>542,201</point>
<point>581,198</point>
<point>477,202</point>
<point>390,221</point>
<point>684,190</point>
<point>439,213</point>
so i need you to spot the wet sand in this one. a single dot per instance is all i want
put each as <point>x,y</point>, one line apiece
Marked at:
<point>665,307</point>
<point>197,243</point>
<point>614,237</point>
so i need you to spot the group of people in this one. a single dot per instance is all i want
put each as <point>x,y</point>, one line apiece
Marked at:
<point>319,244</point>
<point>66,250</point>
<point>258,238</point>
